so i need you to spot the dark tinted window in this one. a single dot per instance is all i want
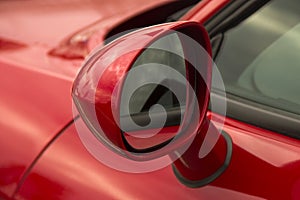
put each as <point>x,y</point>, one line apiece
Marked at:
<point>260,58</point>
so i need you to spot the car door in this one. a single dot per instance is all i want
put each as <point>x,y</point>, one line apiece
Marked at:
<point>259,62</point>
<point>263,128</point>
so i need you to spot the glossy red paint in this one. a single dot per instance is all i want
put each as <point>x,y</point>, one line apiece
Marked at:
<point>41,26</point>
<point>35,88</point>
<point>47,23</point>
<point>67,170</point>
<point>191,169</point>
<point>94,88</point>
<point>29,118</point>
<point>82,42</point>
<point>264,165</point>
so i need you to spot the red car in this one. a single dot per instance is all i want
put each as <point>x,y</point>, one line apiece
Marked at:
<point>54,149</point>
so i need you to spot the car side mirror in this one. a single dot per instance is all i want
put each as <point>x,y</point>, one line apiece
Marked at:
<point>145,95</point>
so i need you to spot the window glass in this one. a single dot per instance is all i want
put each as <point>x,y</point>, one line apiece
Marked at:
<point>260,58</point>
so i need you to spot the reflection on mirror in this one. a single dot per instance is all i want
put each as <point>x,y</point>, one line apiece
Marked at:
<point>150,111</point>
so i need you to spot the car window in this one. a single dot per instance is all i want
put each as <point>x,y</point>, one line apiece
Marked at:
<point>259,59</point>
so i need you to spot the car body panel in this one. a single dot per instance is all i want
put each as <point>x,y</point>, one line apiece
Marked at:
<point>29,118</point>
<point>259,158</point>
<point>36,105</point>
<point>35,87</point>
<point>47,23</point>
<point>36,32</point>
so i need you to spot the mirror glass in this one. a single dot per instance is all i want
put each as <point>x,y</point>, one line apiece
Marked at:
<point>154,95</point>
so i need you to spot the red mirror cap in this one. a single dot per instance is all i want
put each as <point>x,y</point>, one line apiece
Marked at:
<point>97,88</point>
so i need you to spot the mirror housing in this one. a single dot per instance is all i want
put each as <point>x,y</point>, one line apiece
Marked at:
<point>98,93</point>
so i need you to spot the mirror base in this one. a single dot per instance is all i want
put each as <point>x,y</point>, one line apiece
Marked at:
<point>210,177</point>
